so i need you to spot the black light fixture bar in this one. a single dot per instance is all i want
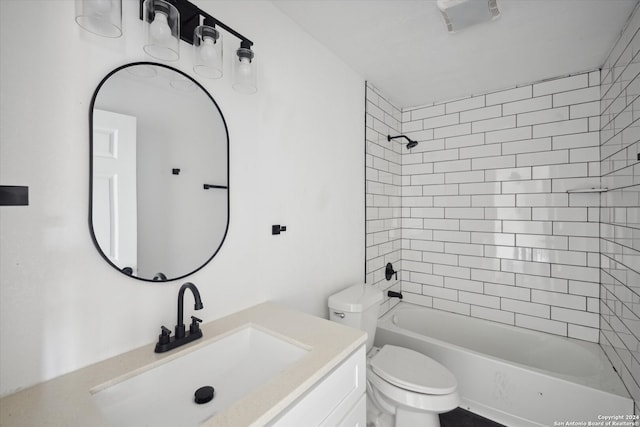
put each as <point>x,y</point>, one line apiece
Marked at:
<point>190,15</point>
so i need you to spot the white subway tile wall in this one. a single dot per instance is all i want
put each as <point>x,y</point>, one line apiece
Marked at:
<point>620,209</point>
<point>384,191</point>
<point>487,222</point>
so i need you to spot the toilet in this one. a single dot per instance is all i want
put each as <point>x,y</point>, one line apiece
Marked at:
<point>404,388</point>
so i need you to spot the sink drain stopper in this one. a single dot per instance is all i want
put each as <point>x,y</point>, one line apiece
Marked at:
<point>204,394</point>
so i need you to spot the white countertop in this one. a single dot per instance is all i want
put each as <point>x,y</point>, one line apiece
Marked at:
<point>66,400</point>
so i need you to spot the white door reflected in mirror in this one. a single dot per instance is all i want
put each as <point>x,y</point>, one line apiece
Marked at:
<point>114,187</point>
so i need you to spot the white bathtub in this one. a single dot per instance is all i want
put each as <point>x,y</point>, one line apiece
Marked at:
<point>514,376</point>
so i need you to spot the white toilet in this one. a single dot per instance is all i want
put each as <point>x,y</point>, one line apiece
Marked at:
<point>404,388</point>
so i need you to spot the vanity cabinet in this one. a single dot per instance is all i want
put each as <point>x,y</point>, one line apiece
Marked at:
<point>324,387</point>
<point>339,399</point>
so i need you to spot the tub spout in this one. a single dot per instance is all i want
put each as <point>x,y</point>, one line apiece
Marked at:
<point>394,294</point>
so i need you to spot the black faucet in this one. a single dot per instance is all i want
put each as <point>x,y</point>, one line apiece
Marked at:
<point>165,341</point>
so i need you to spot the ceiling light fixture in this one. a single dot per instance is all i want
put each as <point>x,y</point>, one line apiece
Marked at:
<point>460,14</point>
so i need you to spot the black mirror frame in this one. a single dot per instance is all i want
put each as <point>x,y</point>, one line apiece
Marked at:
<point>91,231</point>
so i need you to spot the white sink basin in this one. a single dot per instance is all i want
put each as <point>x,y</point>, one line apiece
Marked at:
<point>164,394</point>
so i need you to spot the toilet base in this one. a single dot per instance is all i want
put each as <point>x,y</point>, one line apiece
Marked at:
<point>377,417</point>
<point>381,414</point>
<point>408,418</point>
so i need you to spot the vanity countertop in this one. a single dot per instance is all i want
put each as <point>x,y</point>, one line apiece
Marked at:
<point>66,400</point>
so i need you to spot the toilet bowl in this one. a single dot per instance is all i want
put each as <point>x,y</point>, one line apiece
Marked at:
<point>404,388</point>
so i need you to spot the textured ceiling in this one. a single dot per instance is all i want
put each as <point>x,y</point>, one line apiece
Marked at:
<point>402,46</point>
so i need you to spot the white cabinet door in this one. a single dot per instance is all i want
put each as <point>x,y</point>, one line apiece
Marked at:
<point>334,400</point>
<point>357,417</point>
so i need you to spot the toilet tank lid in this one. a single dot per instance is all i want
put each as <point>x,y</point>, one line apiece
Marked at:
<point>356,298</point>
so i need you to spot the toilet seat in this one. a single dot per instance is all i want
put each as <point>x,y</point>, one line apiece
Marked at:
<point>389,397</point>
<point>412,371</point>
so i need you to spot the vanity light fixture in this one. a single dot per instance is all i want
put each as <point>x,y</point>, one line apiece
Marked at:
<point>207,50</point>
<point>244,70</point>
<point>166,23</point>
<point>101,17</point>
<point>162,25</point>
<point>198,28</point>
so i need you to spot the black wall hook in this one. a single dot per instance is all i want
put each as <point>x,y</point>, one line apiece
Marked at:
<point>277,229</point>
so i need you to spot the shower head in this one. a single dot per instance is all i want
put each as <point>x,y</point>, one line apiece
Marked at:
<point>410,144</point>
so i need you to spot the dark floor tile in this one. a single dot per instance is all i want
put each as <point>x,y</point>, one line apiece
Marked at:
<point>462,418</point>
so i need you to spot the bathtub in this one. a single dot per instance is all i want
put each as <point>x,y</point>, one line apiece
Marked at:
<point>514,376</point>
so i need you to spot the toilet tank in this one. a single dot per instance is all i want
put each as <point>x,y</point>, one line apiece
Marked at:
<point>357,306</point>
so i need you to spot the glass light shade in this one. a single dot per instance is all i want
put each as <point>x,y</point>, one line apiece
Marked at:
<point>244,71</point>
<point>101,17</point>
<point>162,22</point>
<point>207,52</point>
<point>182,84</point>
<point>142,71</point>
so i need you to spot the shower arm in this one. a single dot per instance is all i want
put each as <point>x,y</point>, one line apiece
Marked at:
<point>389,137</point>
<point>410,144</point>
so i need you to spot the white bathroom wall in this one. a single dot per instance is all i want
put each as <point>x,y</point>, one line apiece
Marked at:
<point>296,159</point>
<point>620,208</point>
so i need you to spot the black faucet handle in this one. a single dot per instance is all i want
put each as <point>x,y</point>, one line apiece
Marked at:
<point>194,327</point>
<point>165,335</point>
<point>389,272</point>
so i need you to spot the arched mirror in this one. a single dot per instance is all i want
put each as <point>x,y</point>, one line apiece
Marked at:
<point>159,172</point>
